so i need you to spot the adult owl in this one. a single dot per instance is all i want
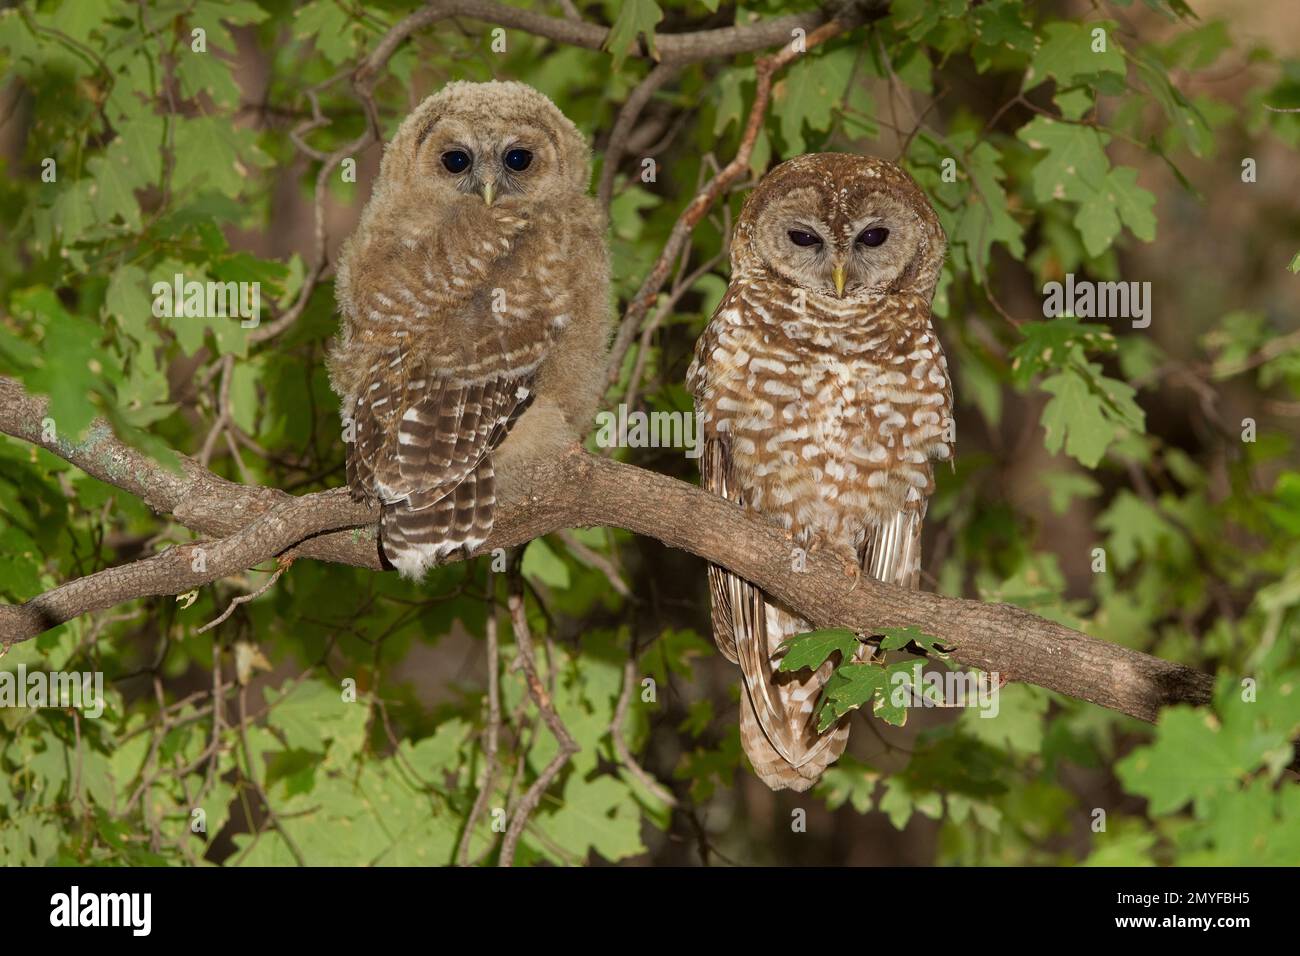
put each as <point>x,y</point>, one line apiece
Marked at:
<point>475,300</point>
<point>824,397</point>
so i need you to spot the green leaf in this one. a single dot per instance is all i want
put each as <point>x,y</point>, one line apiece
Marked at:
<point>600,815</point>
<point>1067,52</point>
<point>208,153</point>
<point>1064,486</point>
<point>1257,826</point>
<point>1000,28</point>
<point>636,18</point>
<point>1198,48</point>
<point>1075,103</point>
<point>626,211</point>
<point>1087,412</point>
<point>917,18</point>
<point>1284,509</point>
<point>116,179</point>
<point>73,211</point>
<point>812,89</point>
<point>1049,345</point>
<point>849,687</point>
<point>984,219</point>
<point>1074,164</point>
<point>892,703</point>
<point>1162,772</point>
<point>848,781</point>
<point>72,365</point>
<point>333,29</point>
<point>1015,725</point>
<point>1074,167</point>
<point>542,564</point>
<point>731,102</point>
<point>812,649</point>
<point>698,717</point>
<point>896,638</point>
<point>441,750</point>
<point>1135,529</point>
<point>1122,843</point>
<point>206,73</point>
<point>309,713</point>
<point>1120,200</point>
<point>244,403</point>
<point>142,396</point>
<point>898,803</point>
<point>1075,419</point>
<point>673,654</point>
<point>128,302</point>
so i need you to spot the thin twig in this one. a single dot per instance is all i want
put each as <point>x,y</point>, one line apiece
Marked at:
<point>620,745</point>
<point>567,746</point>
<point>641,94</point>
<point>492,732</point>
<point>252,596</point>
<point>600,562</point>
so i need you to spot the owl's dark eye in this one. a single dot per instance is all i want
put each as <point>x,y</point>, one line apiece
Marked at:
<point>518,159</point>
<point>456,160</point>
<point>874,236</point>
<point>801,238</point>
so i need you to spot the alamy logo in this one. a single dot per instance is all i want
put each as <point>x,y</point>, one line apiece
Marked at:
<point>624,429</point>
<point>917,688</point>
<point>179,299</point>
<point>83,690</point>
<point>103,909</point>
<point>1098,300</point>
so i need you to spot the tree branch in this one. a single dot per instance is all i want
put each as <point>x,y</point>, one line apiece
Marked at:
<point>671,48</point>
<point>576,490</point>
<point>566,745</point>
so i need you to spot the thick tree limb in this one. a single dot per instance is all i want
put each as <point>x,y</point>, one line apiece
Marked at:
<point>673,48</point>
<point>576,490</point>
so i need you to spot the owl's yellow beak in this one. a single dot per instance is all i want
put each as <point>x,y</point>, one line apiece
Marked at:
<point>489,192</point>
<point>838,275</point>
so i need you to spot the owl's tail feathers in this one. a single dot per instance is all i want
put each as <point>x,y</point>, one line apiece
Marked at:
<point>417,532</point>
<point>773,769</point>
<point>778,719</point>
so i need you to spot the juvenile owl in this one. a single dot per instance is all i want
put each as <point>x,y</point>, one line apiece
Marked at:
<point>475,301</point>
<point>824,397</point>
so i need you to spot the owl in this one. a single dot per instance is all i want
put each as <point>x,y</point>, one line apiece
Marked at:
<point>824,398</point>
<point>475,301</point>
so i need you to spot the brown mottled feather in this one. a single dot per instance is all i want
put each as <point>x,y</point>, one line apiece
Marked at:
<point>823,411</point>
<point>461,316</point>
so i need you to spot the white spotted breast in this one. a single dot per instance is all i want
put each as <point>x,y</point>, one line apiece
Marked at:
<point>833,414</point>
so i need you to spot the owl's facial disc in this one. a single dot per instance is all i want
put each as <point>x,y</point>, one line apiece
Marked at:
<point>498,160</point>
<point>840,243</point>
<point>881,239</point>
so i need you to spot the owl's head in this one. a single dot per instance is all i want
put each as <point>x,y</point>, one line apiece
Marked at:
<point>841,225</point>
<point>497,142</point>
